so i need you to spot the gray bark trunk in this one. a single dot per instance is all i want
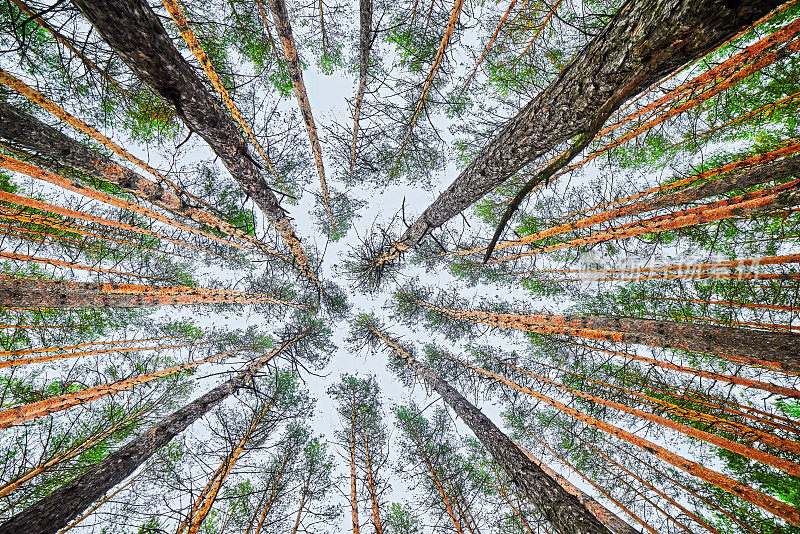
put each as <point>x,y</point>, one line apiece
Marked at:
<point>54,512</point>
<point>646,40</point>
<point>564,511</point>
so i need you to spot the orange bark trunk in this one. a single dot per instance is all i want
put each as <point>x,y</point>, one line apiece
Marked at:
<point>448,33</point>
<point>16,416</point>
<point>772,505</point>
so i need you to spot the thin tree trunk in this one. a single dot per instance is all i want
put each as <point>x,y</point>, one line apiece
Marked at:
<point>489,44</point>
<point>646,40</point>
<point>540,28</point>
<point>281,17</point>
<point>780,196</point>
<point>272,496</point>
<point>33,410</point>
<point>516,510</point>
<point>779,350</point>
<point>743,431</point>
<point>55,511</point>
<point>438,483</point>
<point>30,292</point>
<point>78,266</point>
<point>719,377</point>
<point>448,33</point>
<point>206,499</point>
<point>136,34</point>
<point>22,217</point>
<point>364,47</point>
<point>62,348</point>
<point>562,510</point>
<point>373,493</point>
<point>353,494</point>
<point>55,357</point>
<point>28,132</point>
<point>696,518</point>
<point>64,212</point>
<point>595,485</point>
<point>303,497</point>
<point>743,179</point>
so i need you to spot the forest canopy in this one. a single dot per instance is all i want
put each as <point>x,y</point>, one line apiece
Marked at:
<point>449,266</point>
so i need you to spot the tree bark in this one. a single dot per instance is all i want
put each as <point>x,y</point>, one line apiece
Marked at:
<point>364,46</point>
<point>281,17</point>
<point>743,179</point>
<point>31,292</point>
<point>55,511</point>
<point>646,40</point>
<point>135,33</point>
<point>563,510</point>
<point>29,133</point>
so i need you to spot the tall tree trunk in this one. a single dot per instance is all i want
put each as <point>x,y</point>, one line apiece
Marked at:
<point>744,491</point>
<point>438,483</point>
<point>33,410</point>
<point>136,34</point>
<point>364,47</point>
<point>373,491</point>
<point>747,451</point>
<point>28,132</point>
<point>273,495</point>
<point>563,510</point>
<point>646,40</point>
<point>281,17</point>
<point>448,33</point>
<point>742,179</point>
<point>206,499</point>
<point>30,292</point>
<point>696,518</point>
<point>353,493</point>
<point>56,510</point>
<point>780,196</point>
<point>779,350</point>
<point>64,212</point>
<point>730,379</point>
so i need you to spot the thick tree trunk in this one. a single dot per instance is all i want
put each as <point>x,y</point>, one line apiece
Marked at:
<point>281,17</point>
<point>55,511</point>
<point>563,510</point>
<point>29,133</point>
<point>135,33</point>
<point>646,40</point>
<point>774,349</point>
<point>33,293</point>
